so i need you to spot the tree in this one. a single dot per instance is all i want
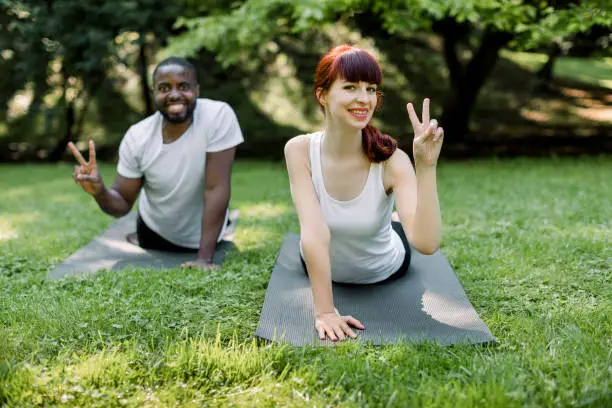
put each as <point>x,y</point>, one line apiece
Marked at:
<point>70,46</point>
<point>583,44</point>
<point>473,32</point>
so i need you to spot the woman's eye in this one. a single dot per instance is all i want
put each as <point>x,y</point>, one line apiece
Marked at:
<point>349,87</point>
<point>371,89</point>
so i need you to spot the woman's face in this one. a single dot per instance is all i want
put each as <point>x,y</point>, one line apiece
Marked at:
<point>350,102</point>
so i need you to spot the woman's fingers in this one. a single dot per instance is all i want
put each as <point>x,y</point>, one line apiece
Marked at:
<point>339,330</point>
<point>439,134</point>
<point>413,116</point>
<point>321,332</point>
<point>353,322</point>
<point>426,110</point>
<point>433,125</point>
<point>348,331</point>
<point>331,334</point>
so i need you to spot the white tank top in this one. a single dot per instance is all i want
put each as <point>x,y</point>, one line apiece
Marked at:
<point>363,248</point>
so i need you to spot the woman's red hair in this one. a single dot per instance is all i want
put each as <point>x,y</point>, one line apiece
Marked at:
<point>356,65</point>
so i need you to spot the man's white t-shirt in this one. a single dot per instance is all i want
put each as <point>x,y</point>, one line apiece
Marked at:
<point>172,198</point>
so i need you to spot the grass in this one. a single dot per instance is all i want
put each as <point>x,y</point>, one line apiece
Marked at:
<point>529,239</point>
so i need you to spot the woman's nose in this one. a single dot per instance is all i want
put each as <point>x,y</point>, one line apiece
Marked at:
<point>362,95</point>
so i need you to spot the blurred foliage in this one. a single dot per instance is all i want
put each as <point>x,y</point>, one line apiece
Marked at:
<point>240,29</point>
<point>65,50</point>
<point>480,27</point>
<point>73,70</point>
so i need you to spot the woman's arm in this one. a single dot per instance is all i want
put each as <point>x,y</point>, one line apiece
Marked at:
<point>315,237</point>
<point>416,196</point>
<point>416,200</point>
<point>314,232</point>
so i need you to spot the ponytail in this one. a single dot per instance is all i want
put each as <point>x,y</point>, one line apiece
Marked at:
<point>376,145</point>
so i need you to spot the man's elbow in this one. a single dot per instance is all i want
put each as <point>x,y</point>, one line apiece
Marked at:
<point>220,191</point>
<point>117,213</point>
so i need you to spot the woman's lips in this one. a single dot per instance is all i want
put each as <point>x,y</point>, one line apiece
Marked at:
<point>359,113</point>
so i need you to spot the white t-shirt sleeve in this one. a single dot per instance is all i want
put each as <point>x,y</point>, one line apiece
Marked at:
<point>128,163</point>
<point>227,133</point>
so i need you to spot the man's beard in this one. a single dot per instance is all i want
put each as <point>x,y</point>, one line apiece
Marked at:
<point>177,120</point>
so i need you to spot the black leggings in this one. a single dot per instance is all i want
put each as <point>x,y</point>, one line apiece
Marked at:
<point>402,270</point>
<point>149,239</point>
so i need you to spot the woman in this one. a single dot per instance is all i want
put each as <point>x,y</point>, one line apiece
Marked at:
<point>345,180</point>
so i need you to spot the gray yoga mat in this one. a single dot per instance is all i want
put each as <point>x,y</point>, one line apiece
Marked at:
<point>428,304</point>
<point>111,251</point>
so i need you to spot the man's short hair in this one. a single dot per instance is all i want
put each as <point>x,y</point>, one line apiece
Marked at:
<point>177,61</point>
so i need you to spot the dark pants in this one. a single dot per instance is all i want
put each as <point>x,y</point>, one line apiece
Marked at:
<point>149,239</point>
<point>402,270</point>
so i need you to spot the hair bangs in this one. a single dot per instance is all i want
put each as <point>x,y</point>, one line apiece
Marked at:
<point>356,66</point>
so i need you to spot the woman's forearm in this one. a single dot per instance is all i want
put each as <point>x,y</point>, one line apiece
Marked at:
<point>427,227</point>
<point>316,257</point>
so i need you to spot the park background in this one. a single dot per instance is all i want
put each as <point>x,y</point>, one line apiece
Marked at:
<point>505,77</point>
<point>523,89</point>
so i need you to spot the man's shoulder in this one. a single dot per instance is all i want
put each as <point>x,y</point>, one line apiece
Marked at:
<point>144,127</point>
<point>211,107</point>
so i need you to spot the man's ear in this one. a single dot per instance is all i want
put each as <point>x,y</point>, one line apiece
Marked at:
<point>197,90</point>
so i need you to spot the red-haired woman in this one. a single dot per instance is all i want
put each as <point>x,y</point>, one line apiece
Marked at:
<point>345,180</point>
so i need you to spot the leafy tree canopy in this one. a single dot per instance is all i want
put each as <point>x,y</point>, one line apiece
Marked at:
<point>234,31</point>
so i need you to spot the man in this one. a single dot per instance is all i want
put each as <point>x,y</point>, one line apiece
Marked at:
<point>181,157</point>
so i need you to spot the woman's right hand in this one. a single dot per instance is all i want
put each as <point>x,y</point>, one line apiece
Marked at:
<point>336,327</point>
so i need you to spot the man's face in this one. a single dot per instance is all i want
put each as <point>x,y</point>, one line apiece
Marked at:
<point>175,93</point>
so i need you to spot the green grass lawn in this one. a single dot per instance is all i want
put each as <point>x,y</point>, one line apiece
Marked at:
<point>531,241</point>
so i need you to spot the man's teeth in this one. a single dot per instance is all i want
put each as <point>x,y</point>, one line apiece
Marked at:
<point>175,108</point>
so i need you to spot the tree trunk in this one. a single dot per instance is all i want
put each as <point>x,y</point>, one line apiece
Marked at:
<point>60,147</point>
<point>144,79</point>
<point>545,74</point>
<point>467,80</point>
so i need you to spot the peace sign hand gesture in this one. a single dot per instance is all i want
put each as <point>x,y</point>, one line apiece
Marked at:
<point>427,136</point>
<point>86,174</point>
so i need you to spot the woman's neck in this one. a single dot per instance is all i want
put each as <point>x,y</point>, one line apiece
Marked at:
<point>340,140</point>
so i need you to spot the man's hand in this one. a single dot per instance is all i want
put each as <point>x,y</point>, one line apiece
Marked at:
<point>336,327</point>
<point>86,174</point>
<point>427,136</point>
<point>202,264</point>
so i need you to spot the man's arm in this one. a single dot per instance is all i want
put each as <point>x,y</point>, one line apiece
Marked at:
<point>119,199</point>
<point>216,200</point>
<point>116,201</point>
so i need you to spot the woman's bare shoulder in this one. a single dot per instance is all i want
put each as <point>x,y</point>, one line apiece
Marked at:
<point>397,161</point>
<point>297,146</point>
<point>297,143</point>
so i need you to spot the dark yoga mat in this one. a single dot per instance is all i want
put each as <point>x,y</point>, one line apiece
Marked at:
<point>427,304</point>
<point>111,251</point>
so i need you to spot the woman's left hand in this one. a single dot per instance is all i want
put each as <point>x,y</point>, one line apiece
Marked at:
<point>427,136</point>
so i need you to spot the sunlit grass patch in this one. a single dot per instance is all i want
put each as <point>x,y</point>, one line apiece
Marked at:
<point>528,239</point>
